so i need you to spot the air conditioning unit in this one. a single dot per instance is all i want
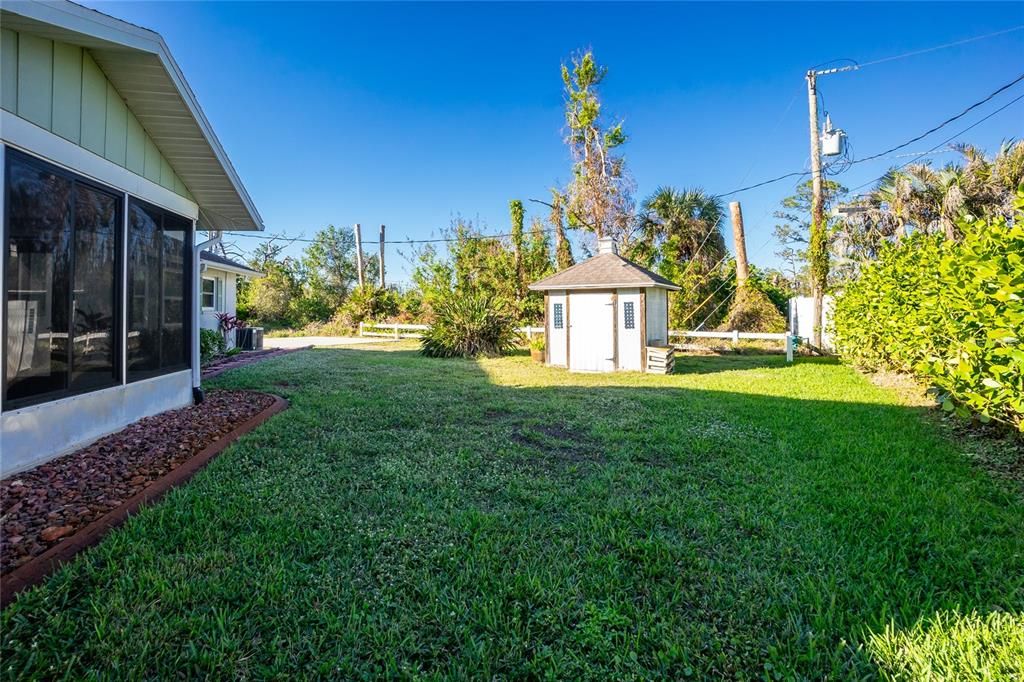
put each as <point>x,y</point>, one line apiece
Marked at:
<point>249,338</point>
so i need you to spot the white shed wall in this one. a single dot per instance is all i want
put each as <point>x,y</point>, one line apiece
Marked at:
<point>657,317</point>
<point>556,341</point>
<point>629,339</point>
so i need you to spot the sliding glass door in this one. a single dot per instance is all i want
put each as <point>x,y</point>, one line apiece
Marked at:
<point>62,240</point>
<point>63,280</point>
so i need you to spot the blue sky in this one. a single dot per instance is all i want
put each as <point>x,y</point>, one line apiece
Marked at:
<point>411,114</point>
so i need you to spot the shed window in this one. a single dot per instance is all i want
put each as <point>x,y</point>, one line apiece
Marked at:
<point>557,315</point>
<point>629,313</point>
<point>60,293</point>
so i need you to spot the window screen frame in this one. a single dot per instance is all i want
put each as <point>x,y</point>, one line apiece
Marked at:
<point>203,293</point>
<point>188,272</point>
<point>628,315</point>
<point>11,156</point>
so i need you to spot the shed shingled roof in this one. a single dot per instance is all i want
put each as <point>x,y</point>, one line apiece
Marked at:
<point>606,270</point>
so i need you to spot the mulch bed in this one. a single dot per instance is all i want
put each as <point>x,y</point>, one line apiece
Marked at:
<point>244,358</point>
<point>47,505</point>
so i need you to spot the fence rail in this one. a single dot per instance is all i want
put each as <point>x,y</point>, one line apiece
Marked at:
<point>413,331</point>
<point>736,336</point>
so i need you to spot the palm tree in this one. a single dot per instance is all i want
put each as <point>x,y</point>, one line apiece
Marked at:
<point>927,200</point>
<point>679,229</point>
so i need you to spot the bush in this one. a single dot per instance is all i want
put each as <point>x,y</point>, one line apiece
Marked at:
<point>367,303</point>
<point>211,344</point>
<point>469,325</point>
<point>753,311</point>
<point>951,312</point>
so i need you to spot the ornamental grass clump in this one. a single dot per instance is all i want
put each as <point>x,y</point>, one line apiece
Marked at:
<point>951,312</point>
<point>470,325</point>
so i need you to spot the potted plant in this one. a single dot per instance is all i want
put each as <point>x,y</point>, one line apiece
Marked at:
<point>537,348</point>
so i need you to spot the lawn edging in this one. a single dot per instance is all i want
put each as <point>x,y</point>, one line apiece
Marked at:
<point>37,569</point>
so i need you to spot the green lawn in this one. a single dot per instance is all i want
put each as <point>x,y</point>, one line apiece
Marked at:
<point>410,517</point>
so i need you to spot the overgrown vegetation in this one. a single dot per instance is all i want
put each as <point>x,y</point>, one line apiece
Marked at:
<point>469,325</point>
<point>407,518</point>
<point>211,344</point>
<point>948,310</point>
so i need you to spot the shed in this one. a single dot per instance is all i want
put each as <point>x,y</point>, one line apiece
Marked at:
<point>605,314</point>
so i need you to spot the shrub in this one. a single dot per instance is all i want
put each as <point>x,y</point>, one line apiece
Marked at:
<point>469,325</point>
<point>211,344</point>
<point>753,311</point>
<point>951,312</point>
<point>367,303</point>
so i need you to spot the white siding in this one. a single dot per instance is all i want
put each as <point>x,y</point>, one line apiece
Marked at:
<point>657,317</point>
<point>591,322</point>
<point>556,341</point>
<point>228,285</point>
<point>801,319</point>
<point>629,339</point>
<point>36,434</point>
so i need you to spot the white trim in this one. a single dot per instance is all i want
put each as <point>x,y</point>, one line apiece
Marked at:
<point>31,139</point>
<point>97,26</point>
<point>235,270</point>
<point>202,293</point>
<point>625,285</point>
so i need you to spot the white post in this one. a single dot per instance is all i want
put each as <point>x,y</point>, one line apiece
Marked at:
<point>396,333</point>
<point>360,329</point>
<point>789,348</point>
<point>735,336</point>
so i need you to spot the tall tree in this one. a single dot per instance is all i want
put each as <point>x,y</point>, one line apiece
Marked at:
<point>793,233</point>
<point>680,236</point>
<point>516,209</point>
<point>563,249</point>
<point>600,193</point>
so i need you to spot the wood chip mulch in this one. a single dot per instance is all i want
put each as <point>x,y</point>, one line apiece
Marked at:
<point>41,506</point>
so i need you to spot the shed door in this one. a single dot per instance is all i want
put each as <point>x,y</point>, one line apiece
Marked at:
<point>629,329</point>
<point>591,331</point>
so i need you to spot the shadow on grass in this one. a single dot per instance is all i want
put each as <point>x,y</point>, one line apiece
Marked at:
<point>466,519</point>
<point>687,363</point>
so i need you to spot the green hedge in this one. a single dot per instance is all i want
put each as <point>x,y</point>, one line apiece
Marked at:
<point>951,312</point>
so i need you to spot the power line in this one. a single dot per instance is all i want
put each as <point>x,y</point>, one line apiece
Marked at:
<point>946,141</point>
<point>949,120</point>
<point>897,147</point>
<point>399,241</point>
<point>940,47</point>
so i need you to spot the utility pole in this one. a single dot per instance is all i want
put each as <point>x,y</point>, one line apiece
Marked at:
<point>381,256</point>
<point>740,243</point>
<point>359,254</point>
<point>818,247</point>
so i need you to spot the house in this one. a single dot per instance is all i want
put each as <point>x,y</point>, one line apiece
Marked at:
<point>218,289</point>
<point>109,169</point>
<point>605,314</point>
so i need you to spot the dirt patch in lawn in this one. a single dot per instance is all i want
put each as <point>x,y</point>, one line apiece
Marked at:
<point>47,505</point>
<point>560,446</point>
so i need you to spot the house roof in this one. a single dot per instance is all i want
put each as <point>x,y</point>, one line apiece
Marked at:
<point>139,64</point>
<point>604,271</point>
<point>223,263</point>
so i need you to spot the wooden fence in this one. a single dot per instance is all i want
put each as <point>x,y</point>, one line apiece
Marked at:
<point>414,331</point>
<point>737,336</point>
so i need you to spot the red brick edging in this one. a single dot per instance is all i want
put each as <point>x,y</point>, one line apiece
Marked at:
<point>242,360</point>
<point>35,570</point>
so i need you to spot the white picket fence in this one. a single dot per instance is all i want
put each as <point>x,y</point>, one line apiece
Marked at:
<point>736,336</point>
<point>413,331</point>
